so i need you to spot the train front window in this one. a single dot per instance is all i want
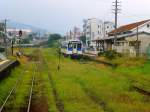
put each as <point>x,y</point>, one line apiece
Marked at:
<point>79,46</point>
<point>69,46</point>
<point>74,46</point>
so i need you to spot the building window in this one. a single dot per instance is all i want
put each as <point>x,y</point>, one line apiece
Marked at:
<point>93,35</point>
<point>106,32</point>
<point>134,43</point>
<point>148,25</point>
<point>99,32</point>
<point>107,26</point>
<point>99,26</point>
<point>87,33</point>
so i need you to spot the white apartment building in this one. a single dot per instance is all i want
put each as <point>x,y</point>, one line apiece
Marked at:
<point>75,33</point>
<point>95,29</point>
<point>108,26</point>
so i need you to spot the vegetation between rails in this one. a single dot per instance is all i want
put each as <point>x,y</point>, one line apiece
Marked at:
<point>43,98</point>
<point>19,98</point>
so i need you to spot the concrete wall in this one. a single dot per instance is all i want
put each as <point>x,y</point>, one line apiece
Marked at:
<point>143,38</point>
<point>145,41</point>
<point>145,27</point>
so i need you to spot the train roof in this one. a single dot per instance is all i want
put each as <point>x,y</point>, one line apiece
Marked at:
<point>72,40</point>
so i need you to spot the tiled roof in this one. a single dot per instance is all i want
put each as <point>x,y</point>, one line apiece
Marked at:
<point>122,36</point>
<point>128,27</point>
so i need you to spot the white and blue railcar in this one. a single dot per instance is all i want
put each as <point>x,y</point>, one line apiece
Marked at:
<point>71,47</point>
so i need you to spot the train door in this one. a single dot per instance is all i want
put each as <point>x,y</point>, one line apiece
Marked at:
<point>74,48</point>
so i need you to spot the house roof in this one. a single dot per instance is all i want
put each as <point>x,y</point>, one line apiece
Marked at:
<point>123,36</point>
<point>128,27</point>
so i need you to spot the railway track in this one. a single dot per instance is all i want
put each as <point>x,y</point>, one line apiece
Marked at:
<point>31,91</point>
<point>59,103</point>
<point>5,107</point>
<point>6,100</point>
<point>38,99</point>
<point>2,108</point>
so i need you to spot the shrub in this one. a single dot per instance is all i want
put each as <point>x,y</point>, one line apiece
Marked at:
<point>111,54</point>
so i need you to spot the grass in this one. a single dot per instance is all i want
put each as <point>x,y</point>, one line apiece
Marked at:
<point>105,88</point>
<point>71,93</point>
<point>84,87</point>
<point>139,75</point>
<point>20,98</point>
<point>24,74</point>
<point>43,97</point>
<point>49,94</point>
<point>41,90</point>
<point>6,85</point>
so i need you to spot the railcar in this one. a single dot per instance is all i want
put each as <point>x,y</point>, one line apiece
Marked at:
<point>71,47</point>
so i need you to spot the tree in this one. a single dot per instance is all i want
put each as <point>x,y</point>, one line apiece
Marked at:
<point>30,36</point>
<point>83,39</point>
<point>53,40</point>
<point>2,26</point>
<point>25,41</point>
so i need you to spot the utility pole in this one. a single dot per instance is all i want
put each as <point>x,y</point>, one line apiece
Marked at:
<point>20,35</point>
<point>104,36</point>
<point>12,47</point>
<point>75,32</point>
<point>5,37</point>
<point>137,42</point>
<point>74,35</point>
<point>70,34</point>
<point>116,10</point>
<point>91,37</point>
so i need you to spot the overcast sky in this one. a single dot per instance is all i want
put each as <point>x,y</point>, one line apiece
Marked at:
<point>61,15</point>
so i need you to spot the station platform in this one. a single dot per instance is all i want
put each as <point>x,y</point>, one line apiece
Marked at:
<point>6,66</point>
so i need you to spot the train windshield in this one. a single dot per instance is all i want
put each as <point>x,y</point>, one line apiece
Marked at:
<point>70,46</point>
<point>74,46</point>
<point>79,46</point>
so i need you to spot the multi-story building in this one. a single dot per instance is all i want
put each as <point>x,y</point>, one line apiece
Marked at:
<point>92,29</point>
<point>95,29</point>
<point>108,26</point>
<point>132,39</point>
<point>15,32</point>
<point>76,33</point>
